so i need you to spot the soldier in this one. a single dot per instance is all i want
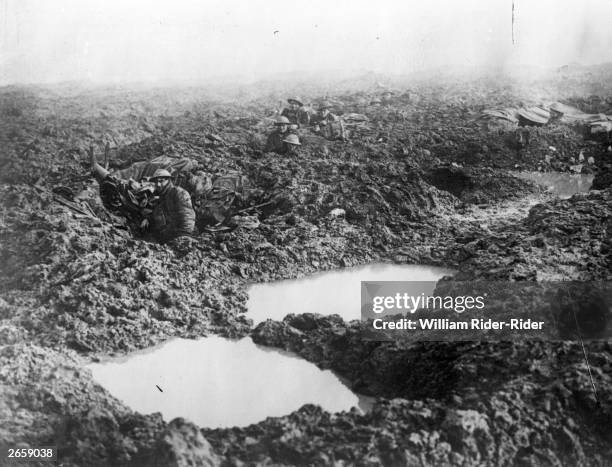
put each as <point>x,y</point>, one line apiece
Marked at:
<point>292,144</point>
<point>129,192</point>
<point>522,137</point>
<point>295,113</point>
<point>173,215</point>
<point>323,116</point>
<point>160,206</point>
<point>387,98</point>
<point>329,125</point>
<point>275,139</point>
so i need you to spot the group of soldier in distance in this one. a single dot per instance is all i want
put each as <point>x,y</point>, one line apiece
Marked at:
<point>285,139</point>
<point>161,194</point>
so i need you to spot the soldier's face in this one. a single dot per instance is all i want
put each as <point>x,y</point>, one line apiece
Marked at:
<point>282,128</point>
<point>294,105</point>
<point>161,184</point>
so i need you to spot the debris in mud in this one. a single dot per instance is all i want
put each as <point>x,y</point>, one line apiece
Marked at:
<point>533,116</point>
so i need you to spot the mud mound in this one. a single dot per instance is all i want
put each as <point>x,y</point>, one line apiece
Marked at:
<point>401,432</point>
<point>73,279</point>
<point>560,240</point>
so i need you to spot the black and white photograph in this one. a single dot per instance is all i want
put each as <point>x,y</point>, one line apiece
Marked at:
<point>325,233</point>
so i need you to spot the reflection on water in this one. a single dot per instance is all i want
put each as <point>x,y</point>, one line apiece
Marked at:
<point>218,382</point>
<point>563,184</point>
<point>332,292</point>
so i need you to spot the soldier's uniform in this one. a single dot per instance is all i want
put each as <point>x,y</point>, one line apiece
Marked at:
<point>297,117</point>
<point>322,120</point>
<point>330,126</point>
<point>173,215</point>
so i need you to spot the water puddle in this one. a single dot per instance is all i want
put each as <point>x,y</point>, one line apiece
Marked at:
<point>562,184</point>
<point>217,382</point>
<point>332,292</point>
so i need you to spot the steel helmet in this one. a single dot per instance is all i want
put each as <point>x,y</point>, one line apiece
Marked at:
<point>292,139</point>
<point>161,173</point>
<point>325,105</point>
<point>297,100</point>
<point>282,121</point>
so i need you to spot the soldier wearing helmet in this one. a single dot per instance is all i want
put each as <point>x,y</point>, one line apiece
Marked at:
<point>292,143</point>
<point>387,98</point>
<point>327,124</point>
<point>165,208</point>
<point>296,113</point>
<point>173,215</point>
<point>275,139</point>
<point>323,116</point>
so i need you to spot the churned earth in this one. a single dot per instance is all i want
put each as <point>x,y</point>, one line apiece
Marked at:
<point>421,181</point>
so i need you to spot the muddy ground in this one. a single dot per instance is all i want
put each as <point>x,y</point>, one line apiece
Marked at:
<point>424,181</point>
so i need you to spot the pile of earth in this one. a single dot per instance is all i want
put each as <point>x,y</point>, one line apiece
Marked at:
<point>560,240</point>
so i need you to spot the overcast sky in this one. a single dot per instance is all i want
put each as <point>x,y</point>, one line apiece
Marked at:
<point>155,40</point>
